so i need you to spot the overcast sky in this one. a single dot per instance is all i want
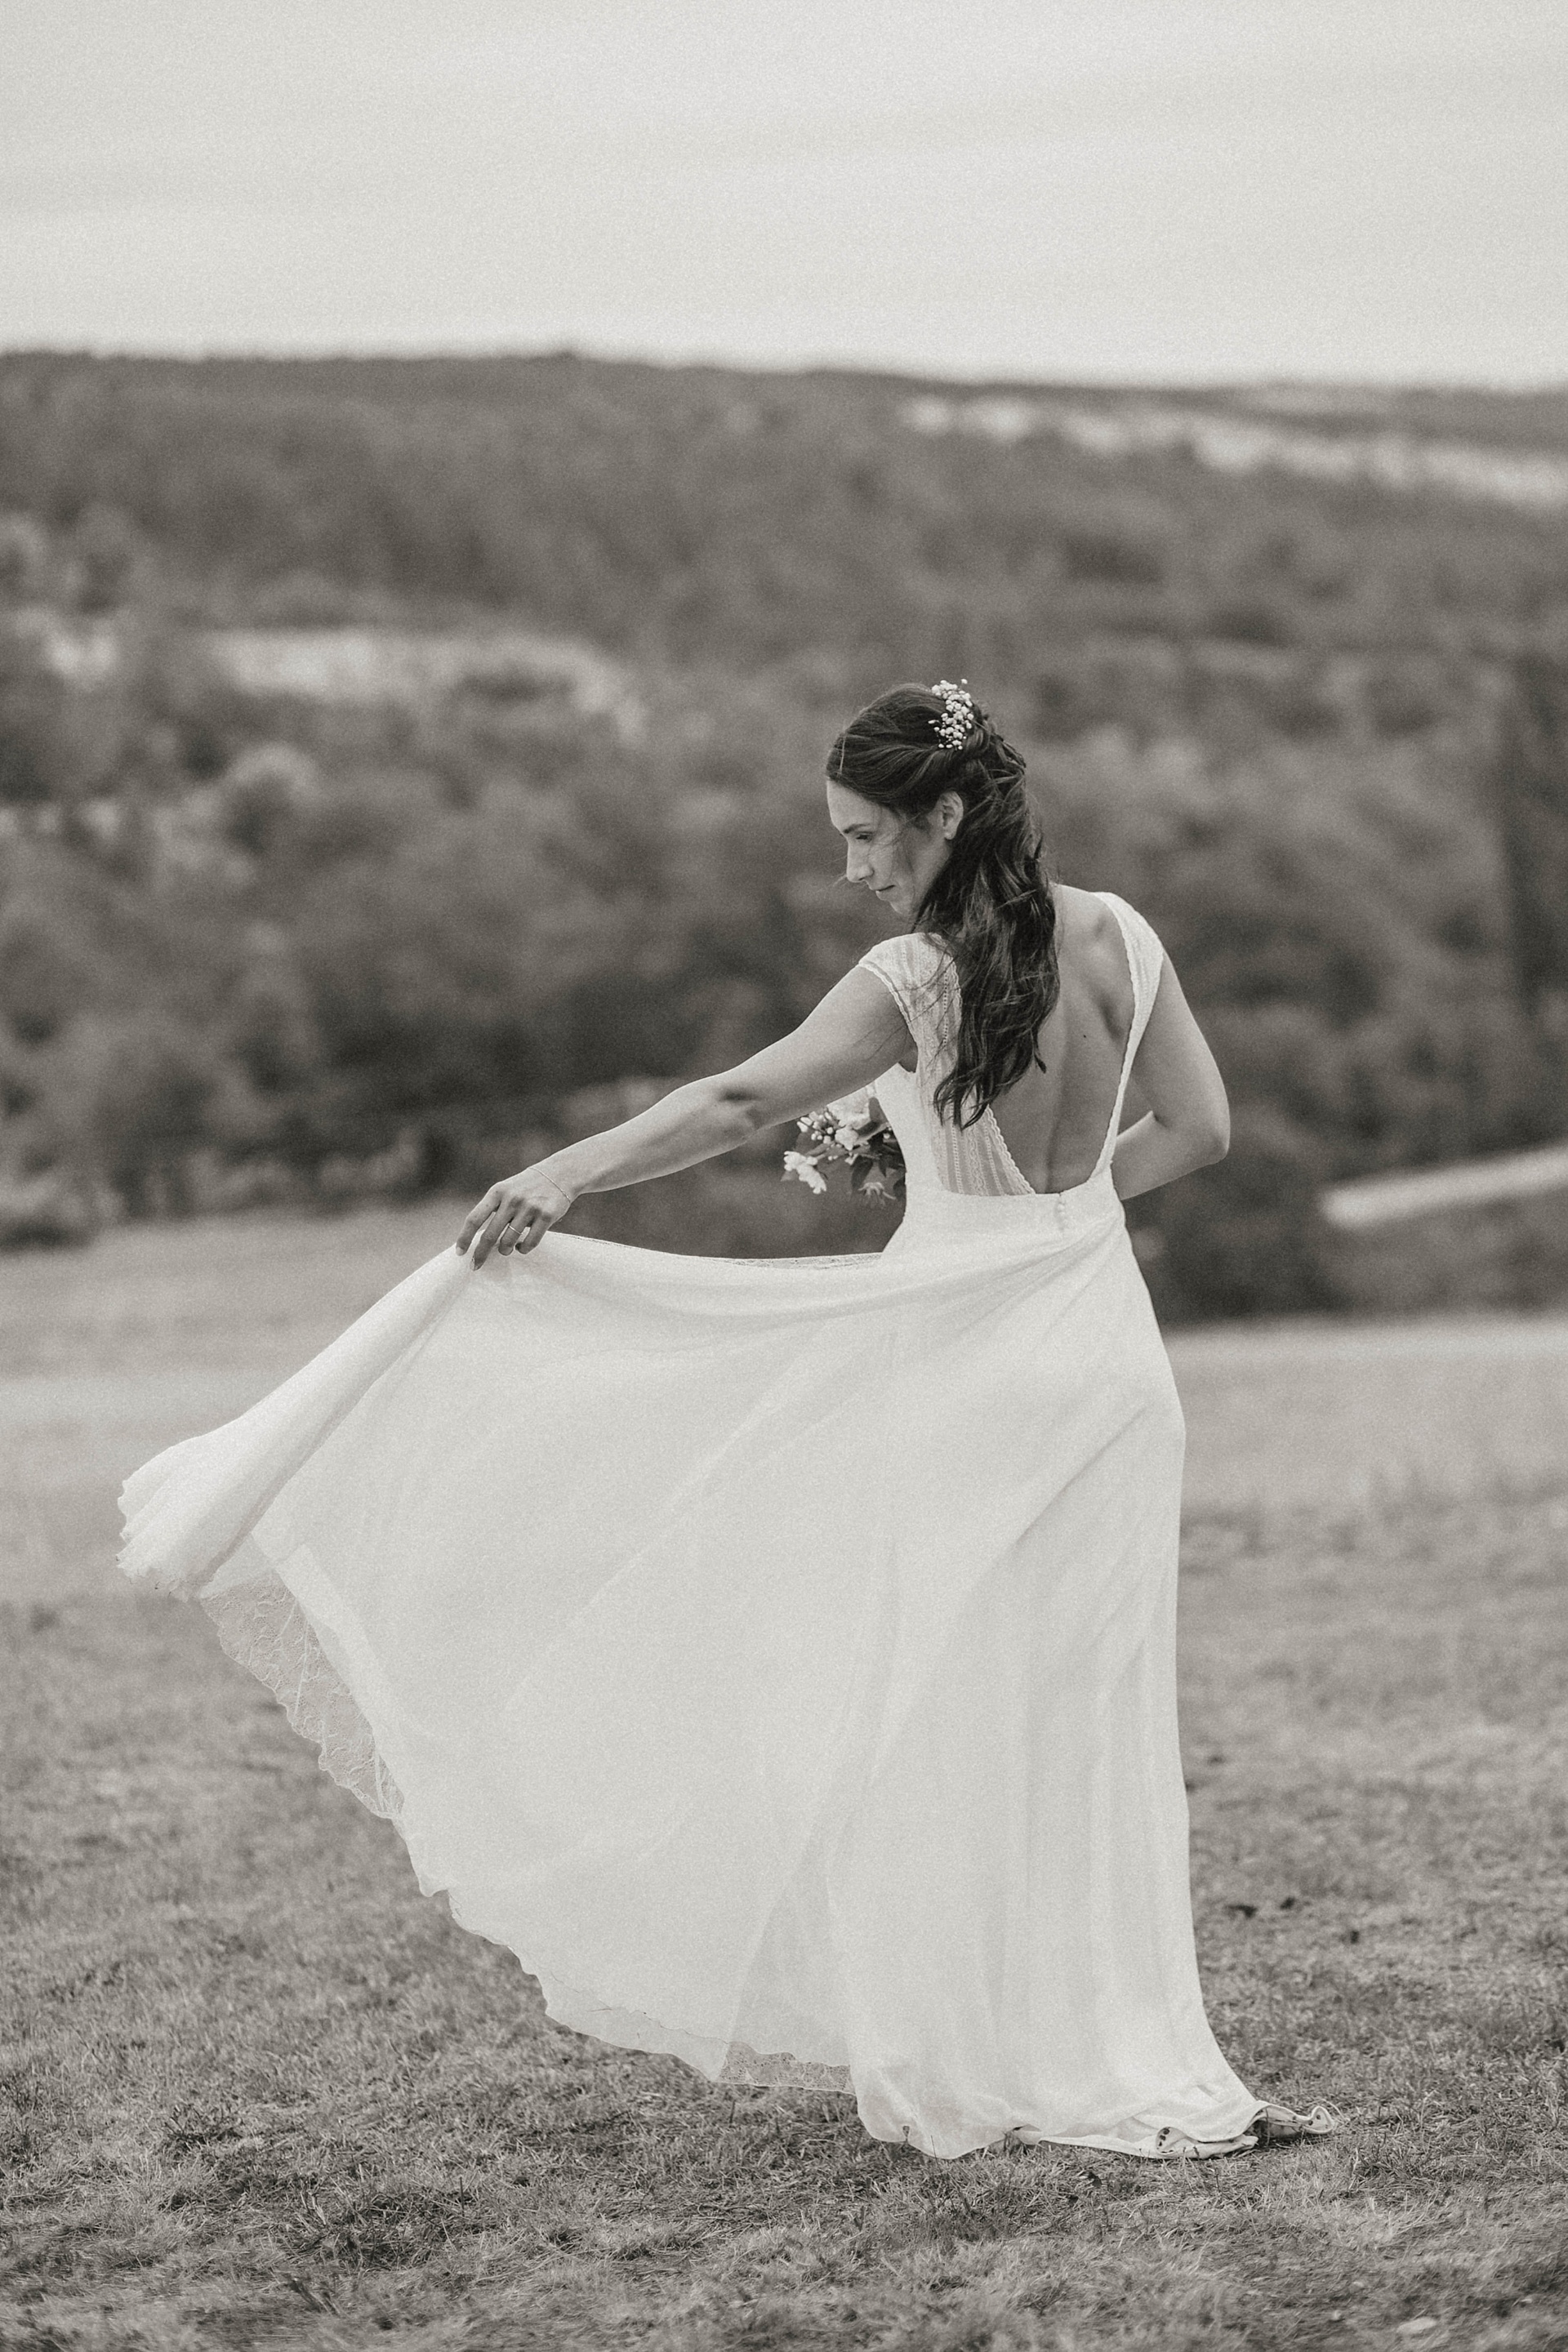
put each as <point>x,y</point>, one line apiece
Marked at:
<point>1146,189</point>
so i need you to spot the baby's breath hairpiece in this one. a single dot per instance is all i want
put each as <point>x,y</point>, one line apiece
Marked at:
<point>957,713</point>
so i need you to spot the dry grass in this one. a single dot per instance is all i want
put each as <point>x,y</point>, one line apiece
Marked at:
<point>258,2093</point>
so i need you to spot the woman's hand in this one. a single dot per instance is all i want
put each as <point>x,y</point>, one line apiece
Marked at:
<point>855,1033</point>
<point>515,1214</point>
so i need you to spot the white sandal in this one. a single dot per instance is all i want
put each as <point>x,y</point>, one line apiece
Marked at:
<point>1269,2127</point>
<point>1169,2144</point>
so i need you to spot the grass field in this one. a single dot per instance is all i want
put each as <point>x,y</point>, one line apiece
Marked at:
<point>258,2092</point>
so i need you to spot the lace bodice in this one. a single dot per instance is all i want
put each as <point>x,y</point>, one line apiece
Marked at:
<point>918,972</point>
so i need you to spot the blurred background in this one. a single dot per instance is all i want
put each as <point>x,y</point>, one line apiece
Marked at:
<point>460,465</point>
<point>458,468</point>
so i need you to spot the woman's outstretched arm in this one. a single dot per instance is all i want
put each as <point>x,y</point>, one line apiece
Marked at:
<point>1187,1124</point>
<point>852,1036</point>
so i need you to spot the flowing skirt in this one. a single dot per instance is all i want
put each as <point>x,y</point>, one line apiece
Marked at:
<point>777,1656</point>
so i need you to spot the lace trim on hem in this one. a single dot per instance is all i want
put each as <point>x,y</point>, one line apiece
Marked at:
<point>263,1628</point>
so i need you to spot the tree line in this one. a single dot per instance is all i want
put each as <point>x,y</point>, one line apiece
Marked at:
<point>260,946</point>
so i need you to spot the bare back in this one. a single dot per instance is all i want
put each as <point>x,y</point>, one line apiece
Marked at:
<point>1052,1132</point>
<point>1054,1121</point>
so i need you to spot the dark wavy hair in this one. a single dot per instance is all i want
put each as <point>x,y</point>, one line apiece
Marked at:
<point>990,905</point>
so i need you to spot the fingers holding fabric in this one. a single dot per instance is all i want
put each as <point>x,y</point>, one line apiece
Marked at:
<point>500,1222</point>
<point>477,1218</point>
<point>514,1217</point>
<point>523,1230</point>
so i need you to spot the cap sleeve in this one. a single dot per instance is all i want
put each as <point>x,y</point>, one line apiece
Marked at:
<point>907,968</point>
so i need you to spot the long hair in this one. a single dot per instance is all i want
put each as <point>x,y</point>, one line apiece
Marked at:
<point>990,904</point>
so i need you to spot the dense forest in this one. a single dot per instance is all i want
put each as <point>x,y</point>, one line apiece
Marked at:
<point>404,761</point>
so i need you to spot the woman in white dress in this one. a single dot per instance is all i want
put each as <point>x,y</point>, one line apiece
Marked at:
<point>779,1657</point>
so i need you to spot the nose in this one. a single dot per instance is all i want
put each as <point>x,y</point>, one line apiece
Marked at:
<point>856,865</point>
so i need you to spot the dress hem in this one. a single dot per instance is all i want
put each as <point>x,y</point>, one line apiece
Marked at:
<point>263,1626</point>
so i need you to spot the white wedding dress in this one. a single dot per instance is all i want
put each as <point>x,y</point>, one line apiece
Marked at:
<point>777,1656</point>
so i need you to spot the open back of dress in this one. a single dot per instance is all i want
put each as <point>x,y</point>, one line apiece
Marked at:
<point>778,1657</point>
<point>974,1159</point>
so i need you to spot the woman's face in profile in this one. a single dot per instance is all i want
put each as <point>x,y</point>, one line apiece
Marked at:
<point>896,857</point>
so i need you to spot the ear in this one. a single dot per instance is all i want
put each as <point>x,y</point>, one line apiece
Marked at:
<point>949,814</point>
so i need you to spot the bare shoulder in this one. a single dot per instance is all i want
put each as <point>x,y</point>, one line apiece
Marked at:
<point>1083,914</point>
<point>1089,944</point>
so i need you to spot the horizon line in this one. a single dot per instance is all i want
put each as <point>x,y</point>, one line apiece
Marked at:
<point>695,361</point>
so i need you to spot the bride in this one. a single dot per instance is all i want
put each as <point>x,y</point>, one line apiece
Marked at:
<point>778,1656</point>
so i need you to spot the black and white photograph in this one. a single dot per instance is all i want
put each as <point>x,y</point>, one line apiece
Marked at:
<point>784,1175</point>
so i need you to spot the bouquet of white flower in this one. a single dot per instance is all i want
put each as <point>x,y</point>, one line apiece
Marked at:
<point>856,1133</point>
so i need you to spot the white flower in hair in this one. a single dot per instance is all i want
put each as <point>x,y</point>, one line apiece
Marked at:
<point>957,713</point>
